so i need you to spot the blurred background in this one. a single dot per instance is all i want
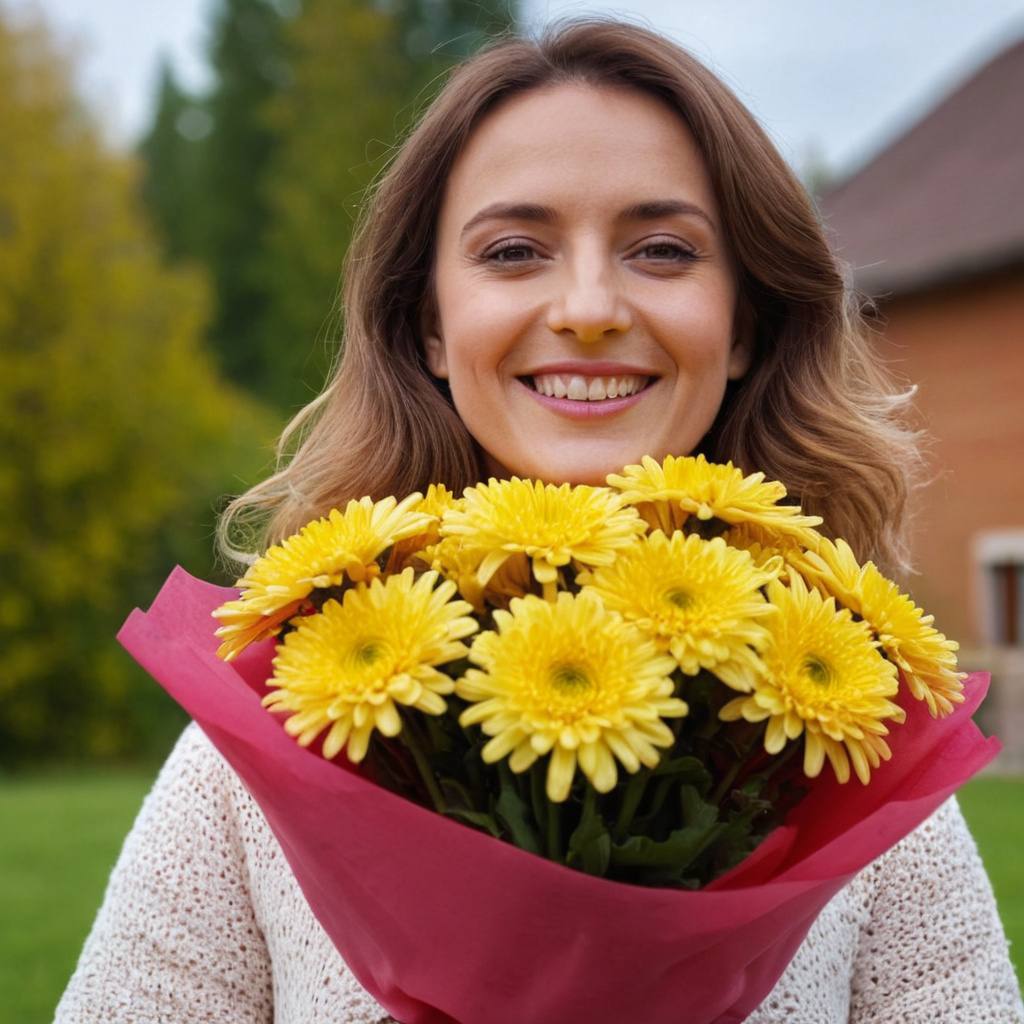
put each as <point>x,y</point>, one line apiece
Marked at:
<point>178,184</point>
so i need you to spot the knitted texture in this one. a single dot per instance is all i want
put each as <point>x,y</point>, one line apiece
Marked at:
<point>203,921</point>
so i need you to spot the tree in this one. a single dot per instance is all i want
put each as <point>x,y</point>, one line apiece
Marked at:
<point>436,33</point>
<point>361,72</point>
<point>249,60</point>
<point>173,151</point>
<point>309,97</point>
<point>116,429</point>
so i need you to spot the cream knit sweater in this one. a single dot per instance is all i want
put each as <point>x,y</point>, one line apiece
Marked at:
<point>203,922</point>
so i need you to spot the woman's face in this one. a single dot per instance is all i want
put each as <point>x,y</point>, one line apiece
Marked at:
<point>584,289</point>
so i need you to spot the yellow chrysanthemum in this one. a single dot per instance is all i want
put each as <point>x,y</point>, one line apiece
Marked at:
<point>768,548</point>
<point>434,503</point>
<point>927,658</point>
<point>348,667</point>
<point>548,524</point>
<point>824,677</point>
<point>667,494</point>
<point>832,567</point>
<point>321,554</point>
<point>570,678</point>
<point>460,563</point>
<point>699,599</point>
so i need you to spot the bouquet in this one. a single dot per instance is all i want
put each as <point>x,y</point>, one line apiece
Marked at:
<point>565,746</point>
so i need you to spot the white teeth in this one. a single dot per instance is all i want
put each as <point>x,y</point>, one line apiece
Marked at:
<point>587,389</point>
<point>577,389</point>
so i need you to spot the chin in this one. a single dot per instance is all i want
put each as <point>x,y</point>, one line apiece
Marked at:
<point>569,468</point>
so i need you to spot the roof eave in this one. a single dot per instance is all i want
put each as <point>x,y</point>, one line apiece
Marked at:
<point>882,283</point>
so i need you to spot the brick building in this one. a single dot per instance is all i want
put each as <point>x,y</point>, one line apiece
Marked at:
<point>933,228</point>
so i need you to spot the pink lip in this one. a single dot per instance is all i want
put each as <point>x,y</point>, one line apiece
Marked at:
<point>585,410</point>
<point>590,368</point>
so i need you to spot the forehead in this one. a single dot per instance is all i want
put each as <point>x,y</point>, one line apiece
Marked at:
<point>580,147</point>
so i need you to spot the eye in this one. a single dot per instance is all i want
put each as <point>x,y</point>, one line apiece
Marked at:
<point>667,250</point>
<point>511,249</point>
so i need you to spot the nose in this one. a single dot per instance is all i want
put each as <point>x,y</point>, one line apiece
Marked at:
<point>590,303</point>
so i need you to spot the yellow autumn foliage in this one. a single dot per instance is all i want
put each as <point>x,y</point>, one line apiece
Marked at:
<point>118,436</point>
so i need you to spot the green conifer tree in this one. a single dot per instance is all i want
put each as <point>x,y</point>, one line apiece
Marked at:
<point>361,74</point>
<point>173,153</point>
<point>309,99</point>
<point>250,63</point>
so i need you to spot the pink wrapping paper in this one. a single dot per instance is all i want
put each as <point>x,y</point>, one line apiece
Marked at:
<point>441,923</point>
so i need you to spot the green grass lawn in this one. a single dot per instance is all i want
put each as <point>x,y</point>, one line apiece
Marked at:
<point>61,834</point>
<point>994,809</point>
<point>60,837</point>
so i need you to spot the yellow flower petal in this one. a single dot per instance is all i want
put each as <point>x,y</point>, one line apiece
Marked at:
<point>348,666</point>
<point>570,679</point>
<point>320,555</point>
<point>927,659</point>
<point>825,678</point>
<point>668,493</point>
<point>699,599</point>
<point>550,524</point>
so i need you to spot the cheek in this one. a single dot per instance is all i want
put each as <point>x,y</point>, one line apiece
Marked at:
<point>698,333</point>
<point>482,328</point>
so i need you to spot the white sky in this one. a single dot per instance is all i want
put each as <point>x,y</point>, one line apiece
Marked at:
<point>836,79</point>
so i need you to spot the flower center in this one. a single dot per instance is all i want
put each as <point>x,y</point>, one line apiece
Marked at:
<point>679,598</point>
<point>368,652</point>
<point>569,677</point>
<point>817,670</point>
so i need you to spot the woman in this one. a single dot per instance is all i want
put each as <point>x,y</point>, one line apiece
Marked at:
<point>587,251</point>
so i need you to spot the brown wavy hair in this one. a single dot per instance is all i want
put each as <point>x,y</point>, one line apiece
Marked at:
<point>815,410</point>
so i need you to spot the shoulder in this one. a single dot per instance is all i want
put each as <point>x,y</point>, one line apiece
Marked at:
<point>311,979</point>
<point>931,900</point>
<point>193,775</point>
<point>932,856</point>
<point>933,878</point>
<point>198,808</point>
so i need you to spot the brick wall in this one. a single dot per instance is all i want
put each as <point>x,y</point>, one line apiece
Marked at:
<point>964,346</point>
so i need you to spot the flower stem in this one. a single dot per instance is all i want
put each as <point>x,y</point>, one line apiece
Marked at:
<point>777,762</point>
<point>412,744</point>
<point>724,786</point>
<point>537,796</point>
<point>727,780</point>
<point>630,802</point>
<point>390,762</point>
<point>554,831</point>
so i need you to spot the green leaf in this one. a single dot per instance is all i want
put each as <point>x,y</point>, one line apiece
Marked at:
<point>739,838</point>
<point>480,819</point>
<point>513,813</point>
<point>696,811</point>
<point>684,769</point>
<point>479,775</point>
<point>590,845</point>
<point>455,794</point>
<point>440,741</point>
<point>682,846</point>
<point>676,852</point>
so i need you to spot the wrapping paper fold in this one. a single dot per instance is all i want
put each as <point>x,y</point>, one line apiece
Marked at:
<point>442,924</point>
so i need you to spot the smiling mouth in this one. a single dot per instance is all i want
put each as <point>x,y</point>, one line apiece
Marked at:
<point>577,388</point>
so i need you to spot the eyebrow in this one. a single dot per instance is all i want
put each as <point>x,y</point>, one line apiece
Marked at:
<point>651,209</point>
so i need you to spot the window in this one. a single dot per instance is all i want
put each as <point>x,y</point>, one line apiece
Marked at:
<point>1008,581</point>
<point>999,557</point>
